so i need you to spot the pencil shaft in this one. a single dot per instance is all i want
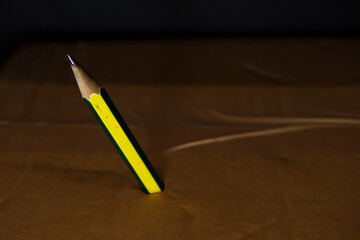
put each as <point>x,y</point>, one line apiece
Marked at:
<point>123,140</point>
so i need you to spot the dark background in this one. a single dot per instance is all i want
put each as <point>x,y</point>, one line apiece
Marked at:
<point>24,21</point>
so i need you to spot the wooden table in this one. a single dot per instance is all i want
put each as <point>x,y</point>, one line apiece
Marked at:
<point>255,139</point>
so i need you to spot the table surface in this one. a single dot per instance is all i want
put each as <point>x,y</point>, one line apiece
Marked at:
<point>255,138</point>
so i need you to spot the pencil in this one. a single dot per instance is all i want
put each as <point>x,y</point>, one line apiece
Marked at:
<point>105,112</point>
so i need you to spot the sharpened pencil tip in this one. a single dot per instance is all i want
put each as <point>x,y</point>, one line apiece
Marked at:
<point>72,60</point>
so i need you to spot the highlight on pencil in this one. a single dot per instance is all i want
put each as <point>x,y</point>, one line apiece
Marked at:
<point>105,112</point>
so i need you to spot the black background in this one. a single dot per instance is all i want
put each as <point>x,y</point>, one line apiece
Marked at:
<point>66,20</point>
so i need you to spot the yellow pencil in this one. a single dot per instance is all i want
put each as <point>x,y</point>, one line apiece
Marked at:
<point>118,132</point>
